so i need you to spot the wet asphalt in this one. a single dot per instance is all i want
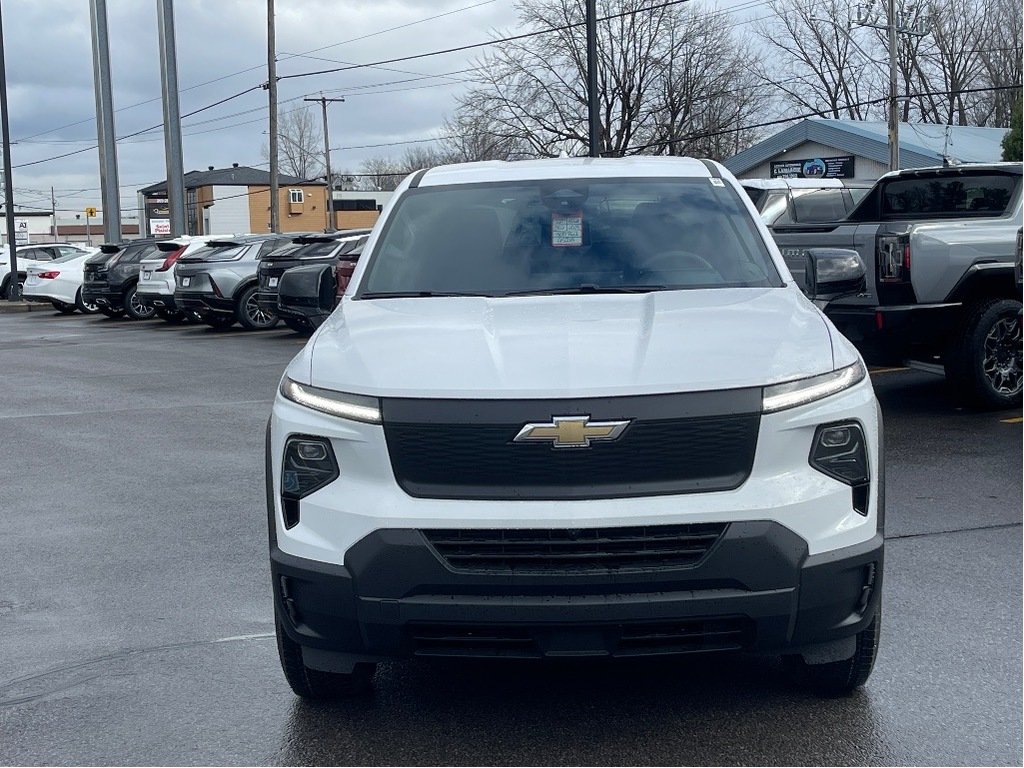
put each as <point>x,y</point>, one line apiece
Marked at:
<point>136,620</point>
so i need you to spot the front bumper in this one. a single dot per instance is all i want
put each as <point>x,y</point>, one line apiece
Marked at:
<point>758,590</point>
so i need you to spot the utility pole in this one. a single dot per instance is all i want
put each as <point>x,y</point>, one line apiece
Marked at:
<point>594,108</point>
<point>13,292</point>
<point>323,101</point>
<point>105,121</point>
<point>275,222</point>
<point>172,116</point>
<point>868,16</point>
<point>53,211</point>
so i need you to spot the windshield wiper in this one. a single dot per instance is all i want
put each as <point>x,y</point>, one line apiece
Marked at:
<point>588,288</point>
<point>415,294</point>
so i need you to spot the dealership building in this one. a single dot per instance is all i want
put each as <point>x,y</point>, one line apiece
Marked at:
<point>853,149</point>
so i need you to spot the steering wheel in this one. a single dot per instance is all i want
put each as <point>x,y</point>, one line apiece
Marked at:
<point>670,261</point>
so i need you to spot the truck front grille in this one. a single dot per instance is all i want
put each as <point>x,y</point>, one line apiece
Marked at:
<point>467,450</point>
<point>585,550</point>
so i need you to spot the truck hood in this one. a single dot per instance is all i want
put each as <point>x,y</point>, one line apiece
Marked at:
<point>568,346</point>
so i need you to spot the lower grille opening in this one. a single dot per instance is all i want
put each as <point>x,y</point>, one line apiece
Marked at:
<point>537,641</point>
<point>587,550</point>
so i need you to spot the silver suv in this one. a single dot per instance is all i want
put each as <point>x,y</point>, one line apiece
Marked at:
<point>218,282</point>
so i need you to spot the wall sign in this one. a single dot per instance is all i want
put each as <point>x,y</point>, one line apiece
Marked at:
<point>814,168</point>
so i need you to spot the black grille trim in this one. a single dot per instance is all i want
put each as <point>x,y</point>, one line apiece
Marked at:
<point>528,641</point>
<point>589,551</point>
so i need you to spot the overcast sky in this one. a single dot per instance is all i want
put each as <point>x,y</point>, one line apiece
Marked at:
<point>52,106</point>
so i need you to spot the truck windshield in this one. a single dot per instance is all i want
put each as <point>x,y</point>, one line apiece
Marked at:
<point>559,236</point>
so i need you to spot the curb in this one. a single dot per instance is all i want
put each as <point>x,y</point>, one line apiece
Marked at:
<point>19,306</point>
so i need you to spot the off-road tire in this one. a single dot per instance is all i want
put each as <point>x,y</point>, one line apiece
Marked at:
<point>250,315</point>
<point>839,678</point>
<point>985,357</point>
<point>85,309</point>
<point>317,685</point>
<point>64,309</point>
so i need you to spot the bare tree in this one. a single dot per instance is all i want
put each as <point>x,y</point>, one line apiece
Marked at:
<point>532,100</point>
<point>385,173</point>
<point>818,66</point>
<point>300,144</point>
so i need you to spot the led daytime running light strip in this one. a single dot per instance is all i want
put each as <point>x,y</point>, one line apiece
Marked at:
<point>340,404</point>
<point>790,394</point>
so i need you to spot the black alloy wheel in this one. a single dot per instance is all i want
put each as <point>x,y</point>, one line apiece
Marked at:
<point>134,307</point>
<point>251,315</point>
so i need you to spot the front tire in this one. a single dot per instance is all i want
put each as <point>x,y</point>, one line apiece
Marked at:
<point>250,315</point>
<point>985,361</point>
<point>83,307</point>
<point>64,309</point>
<point>313,683</point>
<point>170,316</point>
<point>112,312</point>
<point>218,320</point>
<point>299,325</point>
<point>839,678</point>
<point>134,307</point>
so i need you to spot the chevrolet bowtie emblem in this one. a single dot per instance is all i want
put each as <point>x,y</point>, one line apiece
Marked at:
<point>570,431</point>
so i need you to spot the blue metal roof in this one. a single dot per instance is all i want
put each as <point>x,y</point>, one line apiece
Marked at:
<point>921,144</point>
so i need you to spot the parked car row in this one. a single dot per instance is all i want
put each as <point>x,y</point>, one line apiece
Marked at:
<point>217,280</point>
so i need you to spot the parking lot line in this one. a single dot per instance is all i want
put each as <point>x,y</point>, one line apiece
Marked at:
<point>1014,420</point>
<point>874,371</point>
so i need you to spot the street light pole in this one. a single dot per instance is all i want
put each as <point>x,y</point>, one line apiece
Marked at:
<point>172,117</point>
<point>323,101</point>
<point>275,221</point>
<point>110,189</point>
<point>13,293</point>
<point>593,107</point>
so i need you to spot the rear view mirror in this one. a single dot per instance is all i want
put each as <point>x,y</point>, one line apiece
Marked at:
<point>832,273</point>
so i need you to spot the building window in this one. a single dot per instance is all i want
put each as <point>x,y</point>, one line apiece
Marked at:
<point>295,196</point>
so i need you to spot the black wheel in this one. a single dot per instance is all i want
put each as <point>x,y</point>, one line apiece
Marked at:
<point>134,307</point>
<point>984,362</point>
<point>314,684</point>
<point>64,309</point>
<point>170,315</point>
<point>83,307</point>
<point>112,311</point>
<point>5,286</point>
<point>298,324</point>
<point>839,678</point>
<point>218,320</point>
<point>250,315</point>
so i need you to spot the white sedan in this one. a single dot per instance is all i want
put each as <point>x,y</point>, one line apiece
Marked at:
<point>59,281</point>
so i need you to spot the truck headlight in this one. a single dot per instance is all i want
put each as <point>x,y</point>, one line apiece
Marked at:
<point>840,451</point>
<point>308,466</point>
<point>790,394</point>
<point>344,405</point>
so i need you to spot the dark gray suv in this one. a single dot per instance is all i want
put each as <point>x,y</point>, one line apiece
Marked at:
<point>218,282</point>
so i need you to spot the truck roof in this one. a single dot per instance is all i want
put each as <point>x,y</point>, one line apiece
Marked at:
<point>565,168</point>
<point>953,170</point>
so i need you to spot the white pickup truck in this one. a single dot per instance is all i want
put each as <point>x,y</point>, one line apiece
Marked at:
<point>575,408</point>
<point>938,245</point>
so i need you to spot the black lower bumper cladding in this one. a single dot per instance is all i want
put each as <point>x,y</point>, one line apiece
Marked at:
<point>756,589</point>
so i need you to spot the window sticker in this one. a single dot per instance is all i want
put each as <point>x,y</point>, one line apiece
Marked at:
<point>566,230</point>
<point>717,183</point>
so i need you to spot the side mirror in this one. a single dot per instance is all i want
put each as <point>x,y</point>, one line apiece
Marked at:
<point>832,273</point>
<point>308,291</point>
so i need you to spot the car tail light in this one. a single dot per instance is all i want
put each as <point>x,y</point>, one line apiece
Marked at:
<point>48,275</point>
<point>171,258</point>
<point>893,259</point>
